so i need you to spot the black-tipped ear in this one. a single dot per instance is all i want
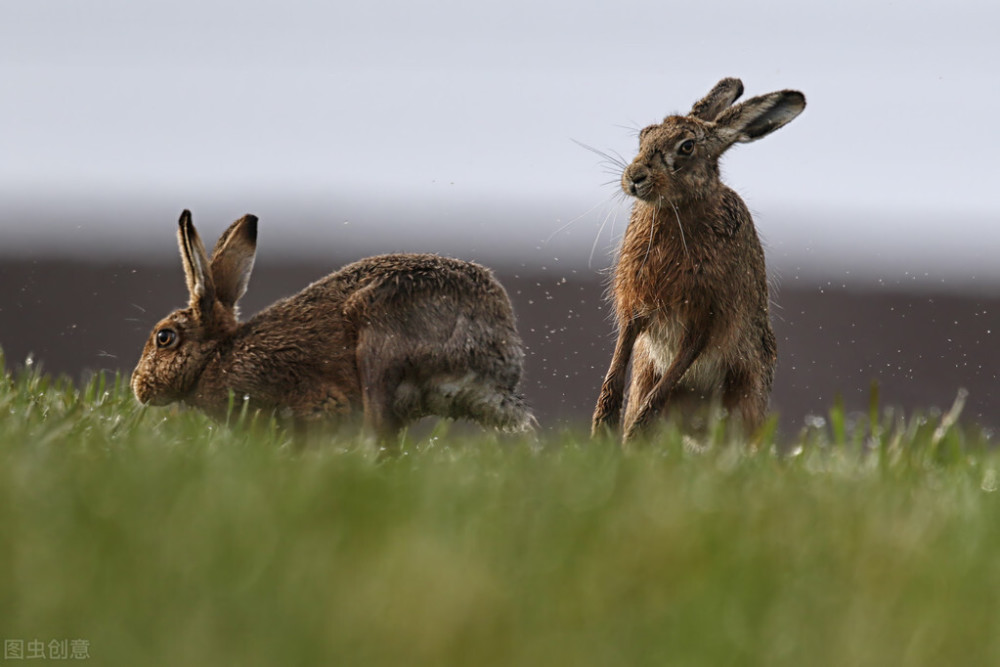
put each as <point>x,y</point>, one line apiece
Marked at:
<point>233,258</point>
<point>201,290</point>
<point>760,116</point>
<point>718,99</point>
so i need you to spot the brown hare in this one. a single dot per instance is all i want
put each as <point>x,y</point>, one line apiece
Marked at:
<point>689,287</point>
<point>395,337</point>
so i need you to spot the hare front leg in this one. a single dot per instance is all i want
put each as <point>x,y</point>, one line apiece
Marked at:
<point>652,405</point>
<point>609,403</point>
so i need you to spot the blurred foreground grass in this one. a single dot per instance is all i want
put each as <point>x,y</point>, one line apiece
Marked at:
<point>161,538</point>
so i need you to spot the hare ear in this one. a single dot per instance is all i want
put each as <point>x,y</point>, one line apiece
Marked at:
<point>718,99</point>
<point>201,290</point>
<point>760,116</point>
<point>232,260</point>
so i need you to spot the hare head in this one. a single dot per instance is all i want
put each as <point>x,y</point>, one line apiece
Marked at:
<point>678,159</point>
<point>181,344</point>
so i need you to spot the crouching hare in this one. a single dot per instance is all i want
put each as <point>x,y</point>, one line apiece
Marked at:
<point>689,287</point>
<point>396,337</point>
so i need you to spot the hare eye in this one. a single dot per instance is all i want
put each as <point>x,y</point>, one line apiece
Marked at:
<point>686,148</point>
<point>165,337</point>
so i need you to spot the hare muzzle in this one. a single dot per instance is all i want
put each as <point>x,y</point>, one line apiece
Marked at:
<point>139,388</point>
<point>636,181</point>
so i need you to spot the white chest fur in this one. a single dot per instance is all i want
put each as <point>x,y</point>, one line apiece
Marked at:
<point>661,341</point>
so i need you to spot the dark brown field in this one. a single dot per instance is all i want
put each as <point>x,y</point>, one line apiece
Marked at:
<point>921,348</point>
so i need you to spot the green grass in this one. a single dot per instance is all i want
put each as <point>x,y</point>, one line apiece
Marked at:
<point>162,538</point>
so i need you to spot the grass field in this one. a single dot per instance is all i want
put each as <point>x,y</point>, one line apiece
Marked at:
<point>160,538</point>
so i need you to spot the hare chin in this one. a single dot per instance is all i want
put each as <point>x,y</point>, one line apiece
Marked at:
<point>662,341</point>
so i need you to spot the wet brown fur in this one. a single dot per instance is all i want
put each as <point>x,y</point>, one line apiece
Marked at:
<point>690,287</point>
<point>394,337</point>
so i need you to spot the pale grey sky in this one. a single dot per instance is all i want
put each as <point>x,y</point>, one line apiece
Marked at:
<point>449,124</point>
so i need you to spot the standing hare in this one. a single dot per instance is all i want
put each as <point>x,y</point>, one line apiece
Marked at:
<point>689,287</point>
<point>398,337</point>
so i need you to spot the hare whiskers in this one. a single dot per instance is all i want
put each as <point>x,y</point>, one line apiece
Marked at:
<point>615,160</point>
<point>573,221</point>
<point>612,214</point>
<point>652,233</point>
<point>680,227</point>
<point>614,164</point>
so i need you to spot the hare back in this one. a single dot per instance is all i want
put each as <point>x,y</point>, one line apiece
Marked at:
<point>425,304</point>
<point>388,279</point>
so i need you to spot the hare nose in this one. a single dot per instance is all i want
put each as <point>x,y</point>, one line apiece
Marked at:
<point>636,174</point>
<point>634,177</point>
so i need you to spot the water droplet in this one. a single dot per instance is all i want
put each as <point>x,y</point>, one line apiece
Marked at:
<point>815,421</point>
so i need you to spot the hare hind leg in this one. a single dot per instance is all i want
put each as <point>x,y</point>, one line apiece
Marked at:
<point>478,399</point>
<point>502,409</point>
